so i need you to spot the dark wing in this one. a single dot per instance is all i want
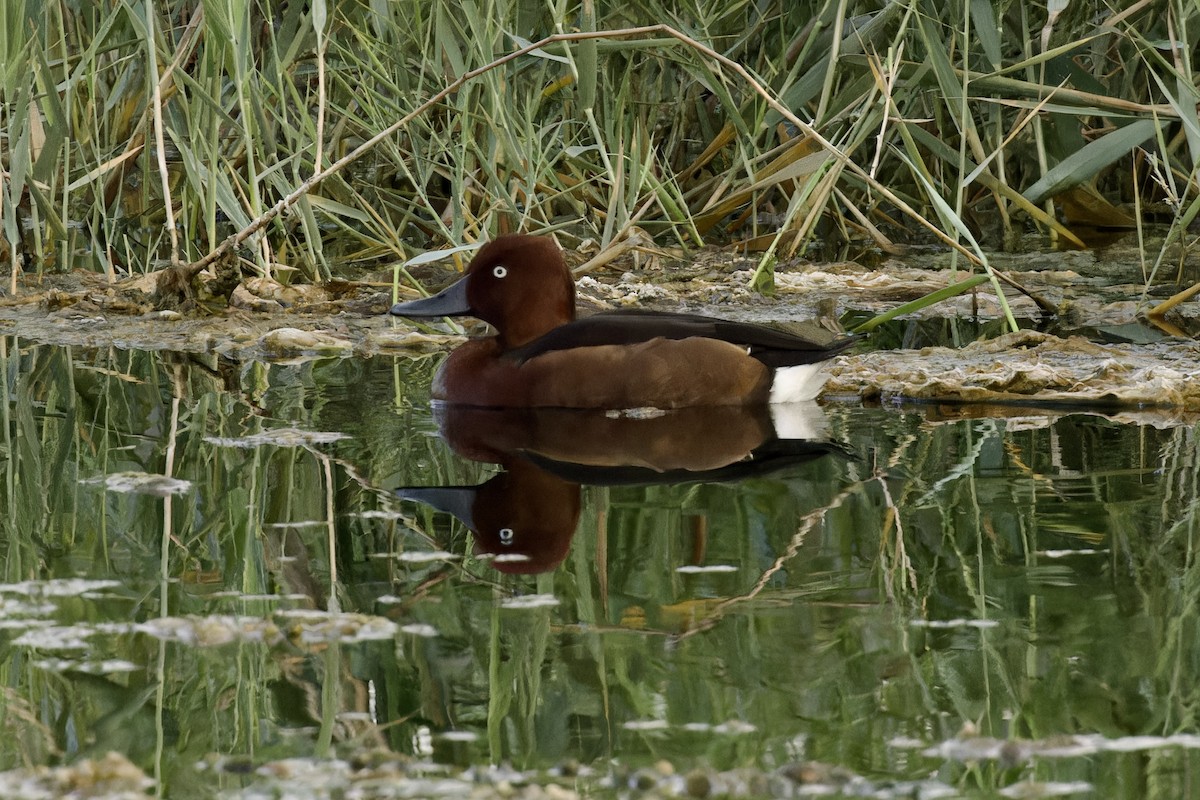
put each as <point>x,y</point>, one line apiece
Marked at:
<point>774,456</point>
<point>773,347</point>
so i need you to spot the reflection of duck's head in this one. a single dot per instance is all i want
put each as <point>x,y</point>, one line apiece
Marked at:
<point>541,356</point>
<point>523,516</point>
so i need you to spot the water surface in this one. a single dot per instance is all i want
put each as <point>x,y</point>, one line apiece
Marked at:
<point>206,570</point>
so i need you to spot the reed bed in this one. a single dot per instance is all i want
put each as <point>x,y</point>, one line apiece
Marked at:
<point>330,137</point>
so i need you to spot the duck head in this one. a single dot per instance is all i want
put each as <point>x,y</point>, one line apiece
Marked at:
<point>519,284</point>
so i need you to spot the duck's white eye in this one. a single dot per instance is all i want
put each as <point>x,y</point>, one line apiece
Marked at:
<point>506,534</point>
<point>500,271</point>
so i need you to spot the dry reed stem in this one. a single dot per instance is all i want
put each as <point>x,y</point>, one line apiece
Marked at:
<point>159,140</point>
<point>319,143</point>
<point>1174,300</point>
<point>807,523</point>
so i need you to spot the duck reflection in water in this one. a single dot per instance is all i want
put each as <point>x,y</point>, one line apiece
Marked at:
<point>527,514</point>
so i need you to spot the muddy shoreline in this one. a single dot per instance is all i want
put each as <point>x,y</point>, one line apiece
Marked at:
<point>263,320</point>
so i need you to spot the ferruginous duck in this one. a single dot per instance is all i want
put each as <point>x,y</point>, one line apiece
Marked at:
<point>541,356</point>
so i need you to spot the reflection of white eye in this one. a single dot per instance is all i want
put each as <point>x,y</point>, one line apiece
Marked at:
<point>506,535</point>
<point>500,270</point>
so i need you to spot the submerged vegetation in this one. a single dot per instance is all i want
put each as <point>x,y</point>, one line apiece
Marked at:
<point>973,605</point>
<point>138,134</point>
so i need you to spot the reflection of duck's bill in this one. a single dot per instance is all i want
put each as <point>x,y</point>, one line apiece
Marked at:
<point>456,500</point>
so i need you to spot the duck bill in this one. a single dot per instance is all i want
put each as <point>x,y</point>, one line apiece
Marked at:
<point>456,500</point>
<point>449,302</point>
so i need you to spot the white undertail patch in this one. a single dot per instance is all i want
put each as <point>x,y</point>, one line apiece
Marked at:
<point>793,412</point>
<point>797,384</point>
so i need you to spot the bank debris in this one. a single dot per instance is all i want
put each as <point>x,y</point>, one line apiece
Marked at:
<point>264,320</point>
<point>1028,367</point>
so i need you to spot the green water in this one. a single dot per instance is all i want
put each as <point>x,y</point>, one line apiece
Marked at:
<point>889,612</point>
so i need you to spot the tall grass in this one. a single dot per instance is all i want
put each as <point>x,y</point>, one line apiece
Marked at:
<point>135,134</point>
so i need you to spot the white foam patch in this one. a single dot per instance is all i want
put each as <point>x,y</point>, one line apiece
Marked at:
<point>798,383</point>
<point>419,629</point>
<point>950,624</point>
<point>141,483</point>
<point>804,420</point>
<point>646,725</point>
<point>530,601</point>
<point>424,556</point>
<point>281,437</point>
